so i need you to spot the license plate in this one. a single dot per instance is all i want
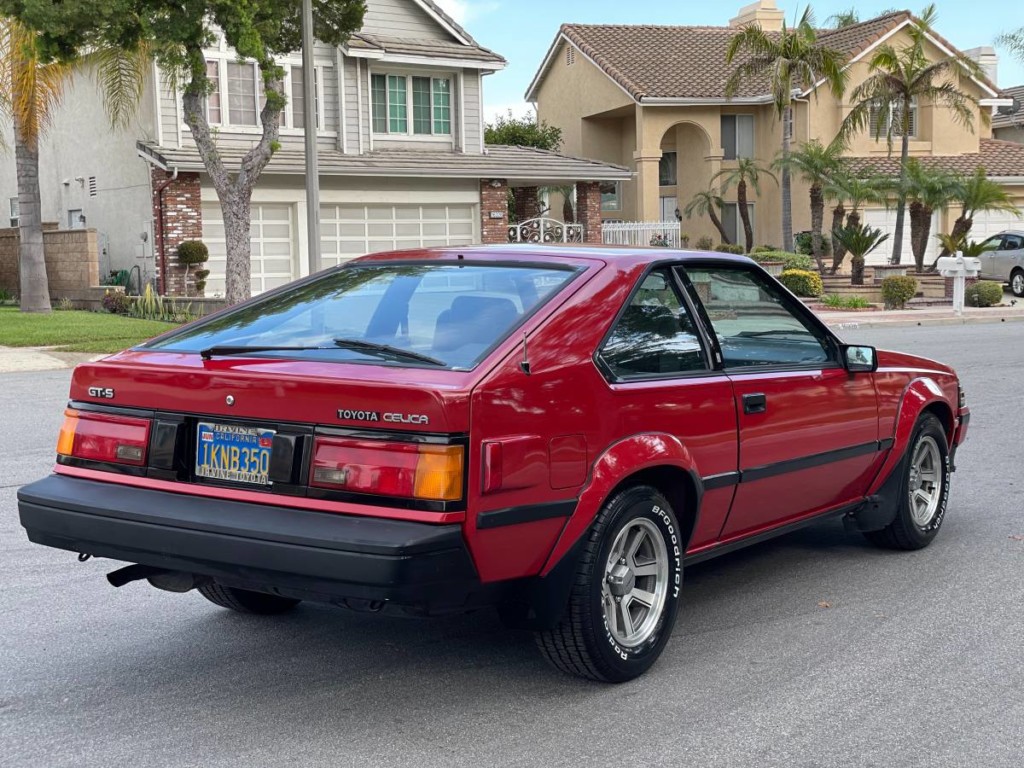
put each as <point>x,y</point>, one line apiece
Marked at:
<point>234,453</point>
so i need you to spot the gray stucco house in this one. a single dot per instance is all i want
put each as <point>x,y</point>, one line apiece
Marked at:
<point>401,152</point>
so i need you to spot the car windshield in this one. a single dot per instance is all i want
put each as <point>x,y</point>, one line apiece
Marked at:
<point>413,315</point>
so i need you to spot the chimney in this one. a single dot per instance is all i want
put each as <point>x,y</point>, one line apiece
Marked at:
<point>987,59</point>
<point>762,12</point>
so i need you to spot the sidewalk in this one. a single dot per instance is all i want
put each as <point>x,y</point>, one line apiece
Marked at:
<point>898,318</point>
<point>25,359</point>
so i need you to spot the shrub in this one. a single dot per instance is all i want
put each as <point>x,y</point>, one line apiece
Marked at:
<point>789,260</point>
<point>150,306</point>
<point>897,290</point>
<point>730,248</point>
<point>192,252</point>
<point>658,240</point>
<point>116,302</point>
<point>835,301</point>
<point>6,296</point>
<point>763,249</point>
<point>64,304</point>
<point>802,242</point>
<point>684,239</point>
<point>984,293</point>
<point>705,244</point>
<point>201,275</point>
<point>802,282</point>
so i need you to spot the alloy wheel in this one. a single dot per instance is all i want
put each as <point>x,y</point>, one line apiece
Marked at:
<point>635,583</point>
<point>925,486</point>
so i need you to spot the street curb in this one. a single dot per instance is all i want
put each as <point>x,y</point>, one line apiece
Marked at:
<point>838,324</point>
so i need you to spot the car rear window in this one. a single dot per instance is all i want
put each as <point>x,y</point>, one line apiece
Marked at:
<point>450,313</point>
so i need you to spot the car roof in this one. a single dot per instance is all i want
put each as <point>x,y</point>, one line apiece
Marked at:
<point>623,255</point>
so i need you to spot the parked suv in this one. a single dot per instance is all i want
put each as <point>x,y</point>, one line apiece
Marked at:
<point>1003,260</point>
<point>555,431</point>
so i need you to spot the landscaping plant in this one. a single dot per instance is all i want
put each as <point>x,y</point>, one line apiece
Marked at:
<point>984,293</point>
<point>859,241</point>
<point>192,253</point>
<point>789,260</point>
<point>835,301</point>
<point>735,248</point>
<point>897,290</point>
<point>802,282</point>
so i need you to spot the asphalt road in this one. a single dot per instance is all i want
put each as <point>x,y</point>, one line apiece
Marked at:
<point>812,650</point>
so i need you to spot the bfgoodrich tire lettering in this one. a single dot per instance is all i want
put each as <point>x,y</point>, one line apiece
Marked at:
<point>924,491</point>
<point>625,595</point>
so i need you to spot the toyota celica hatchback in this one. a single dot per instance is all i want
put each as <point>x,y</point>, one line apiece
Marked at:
<point>554,431</point>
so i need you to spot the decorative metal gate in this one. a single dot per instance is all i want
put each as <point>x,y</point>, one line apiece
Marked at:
<point>545,231</point>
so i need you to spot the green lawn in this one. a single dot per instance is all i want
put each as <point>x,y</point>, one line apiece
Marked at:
<point>75,331</point>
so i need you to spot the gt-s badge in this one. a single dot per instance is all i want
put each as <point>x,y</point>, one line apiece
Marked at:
<point>105,392</point>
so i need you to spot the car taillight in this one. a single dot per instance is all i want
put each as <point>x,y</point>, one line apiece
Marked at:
<point>411,470</point>
<point>103,437</point>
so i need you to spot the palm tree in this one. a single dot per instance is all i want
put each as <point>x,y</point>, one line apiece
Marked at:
<point>704,204</point>
<point>816,164</point>
<point>31,91</point>
<point>899,79</point>
<point>848,187</point>
<point>747,171</point>
<point>846,18</point>
<point>787,59</point>
<point>976,194</point>
<point>928,188</point>
<point>1014,41</point>
<point>970,249</point>
<point>859,241</point>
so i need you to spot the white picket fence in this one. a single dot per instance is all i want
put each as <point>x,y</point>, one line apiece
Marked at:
<point>642,233</point>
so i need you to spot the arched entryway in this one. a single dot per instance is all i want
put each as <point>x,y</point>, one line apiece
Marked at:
<point>684,168</point>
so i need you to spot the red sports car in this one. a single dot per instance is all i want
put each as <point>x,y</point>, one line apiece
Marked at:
<point>556,431</point>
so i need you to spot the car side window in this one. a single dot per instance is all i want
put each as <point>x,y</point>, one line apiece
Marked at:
<point>754,324</point>
<point>1012,242</point>
<point>993,243</point>
<point>655,336</point>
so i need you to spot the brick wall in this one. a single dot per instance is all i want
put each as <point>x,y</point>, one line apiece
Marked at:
<point>182,220</point>
<point>493,200</point>
<point>72,260</point>
<point>588,210</point>
<point>527,203</point>
<point>968,281</point>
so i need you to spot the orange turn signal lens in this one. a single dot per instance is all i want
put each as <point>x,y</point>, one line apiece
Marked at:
<point>66,441</point>
<point>439,473</point>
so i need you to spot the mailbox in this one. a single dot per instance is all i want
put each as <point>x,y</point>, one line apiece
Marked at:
<point>959,266</point>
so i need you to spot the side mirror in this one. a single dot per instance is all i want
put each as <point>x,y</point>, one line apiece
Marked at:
<point>860,359</point>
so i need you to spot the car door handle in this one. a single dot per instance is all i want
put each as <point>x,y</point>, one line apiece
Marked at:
<point>755,402</point>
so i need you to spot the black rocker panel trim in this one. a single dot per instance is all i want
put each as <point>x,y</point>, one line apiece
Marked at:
<point>526,514</point>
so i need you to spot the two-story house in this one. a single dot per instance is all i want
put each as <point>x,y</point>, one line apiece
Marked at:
<point>654,98</point>
<point>401,153</point>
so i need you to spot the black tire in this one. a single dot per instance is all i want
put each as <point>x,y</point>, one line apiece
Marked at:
<point>904,532</point>
<point>582,643</point>
<point>246,601</point>
<point>1017,282</point>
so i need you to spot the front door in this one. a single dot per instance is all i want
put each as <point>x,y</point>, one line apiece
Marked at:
<point>808,429</point>
<point>668,208</point>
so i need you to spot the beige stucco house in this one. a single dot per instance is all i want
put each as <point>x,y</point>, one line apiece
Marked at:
<point>653,98</point>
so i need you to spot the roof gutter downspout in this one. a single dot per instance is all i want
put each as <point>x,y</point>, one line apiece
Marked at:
<point>160,240</point>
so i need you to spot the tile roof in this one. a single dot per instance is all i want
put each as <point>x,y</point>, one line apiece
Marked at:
<point>421,47</point>
<point>689,62</point>
<point>1000,120</point>
<point>1000,159</point>
<point>501,162</point>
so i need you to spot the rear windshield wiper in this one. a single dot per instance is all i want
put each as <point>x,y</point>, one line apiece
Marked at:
<point>222,351</point>
<point>359,345</point>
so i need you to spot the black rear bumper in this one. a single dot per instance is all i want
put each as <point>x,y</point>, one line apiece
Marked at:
<point>323,556</point>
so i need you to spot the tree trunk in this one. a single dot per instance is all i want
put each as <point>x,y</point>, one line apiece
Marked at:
<point>787,190</point>
<point>233,190</point>
<point>741,204</point>
<point>853,220</point>
<point>838,251</point>
<point>901,200</point>
<point>857,267</point>
<point>920,226</point>
<point>568,214</point>
<point>817,222</point>
<point>34,288</point>
<point>718,225</point>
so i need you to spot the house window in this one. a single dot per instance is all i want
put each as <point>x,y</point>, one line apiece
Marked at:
<point>667,169</point>
<point>428,99</point>
<point>297,99</point>
<point>611,196</point>
<point>241,93</point>
<point>738,136</point>
<point>789,125</point>
<point>733,224</point>
<point>14,211</point>
<point>881,117</point>
<point>76,218</point>
<point>213,110</point>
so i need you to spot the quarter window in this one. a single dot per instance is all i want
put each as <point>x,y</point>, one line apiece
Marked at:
<point>753,321</point>
<point>655,336</point>
<point>427,99</point>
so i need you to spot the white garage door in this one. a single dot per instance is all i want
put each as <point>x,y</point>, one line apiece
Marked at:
<point>992,223</point>
<point>884,219</point>
<point>272,242</point>
<point>350,230</point>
